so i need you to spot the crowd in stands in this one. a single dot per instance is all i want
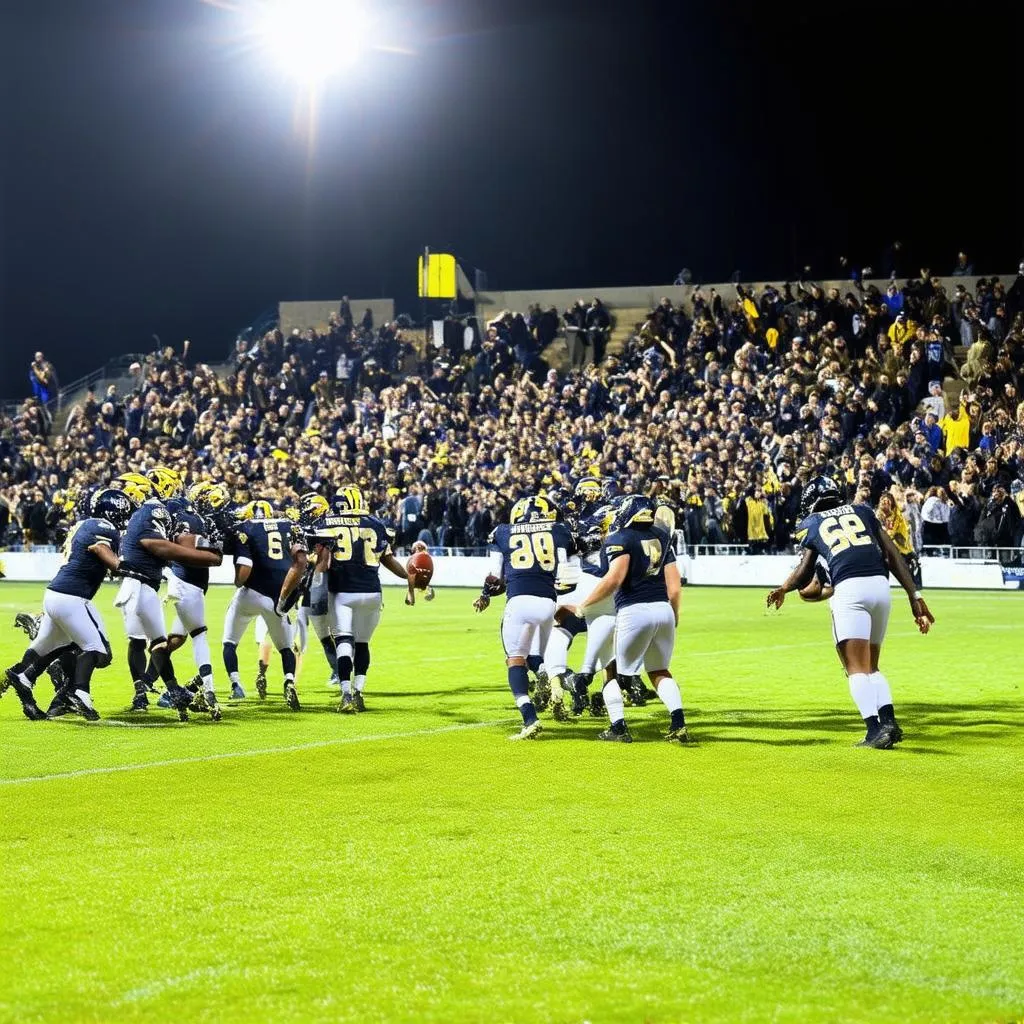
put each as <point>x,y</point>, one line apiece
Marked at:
<point>722,407</point>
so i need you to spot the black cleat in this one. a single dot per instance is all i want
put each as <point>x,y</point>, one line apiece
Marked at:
<point>880,739</point>
<point>611,736</point>
<point>140,702</point>
<point>542,693</point>
<point>84,708</point>
<point>29,623</point>
<point>347,705</point>
<point>32,711</point>
<point>180,700</point>
<point>897,732</point>
<point>558,709</point>
<point>59,706</point>
<point>597,705</point>
<point>261,685</point>
<point>291,696</point>
<point>635,694</point>
<point>357,699</point>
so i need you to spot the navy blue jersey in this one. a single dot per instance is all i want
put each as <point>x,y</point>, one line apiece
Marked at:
<point>357,543</point>
<point>185,515</point>
<point>83,572</point>
<point>266,545</point>
<point>530,556</point>
<point>649,552</point>
<point>847,538</point>
<point>150,522</point>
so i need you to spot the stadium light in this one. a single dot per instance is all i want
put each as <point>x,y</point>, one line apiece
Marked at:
<point>311,40</point>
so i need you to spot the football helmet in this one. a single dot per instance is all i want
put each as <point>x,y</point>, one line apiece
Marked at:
<point>83,503</point>
<point>138,487</point>
<point>349,499</point>
<point>259,509</point>
<point>312,508</point>
<point>635,510</point>
<point>587,489</point>
<point>211,499</point>
<point>166,482</point>
<point>821,493</point>
<point>113,505</point>
<point>537,509</point>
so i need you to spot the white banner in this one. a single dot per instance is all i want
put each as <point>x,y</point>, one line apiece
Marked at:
<point>765,571</point>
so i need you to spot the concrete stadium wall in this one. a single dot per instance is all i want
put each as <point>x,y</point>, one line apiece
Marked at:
<point>490,304</point>
<point>703,570</point>
<point>315,313</point>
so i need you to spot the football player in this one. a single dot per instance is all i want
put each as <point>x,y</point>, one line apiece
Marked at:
<point>640,570</point>
<point>314,608</point>
<point>69,616</point>
<point>187,585</point>
<point>527,552</point>
<point>269,553</point>
<point>858,555</point>
<point>351,547</point>
<point>573,584</point>
<point>146,550</point>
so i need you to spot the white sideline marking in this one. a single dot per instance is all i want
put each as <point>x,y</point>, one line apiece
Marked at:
<point>112,769</point>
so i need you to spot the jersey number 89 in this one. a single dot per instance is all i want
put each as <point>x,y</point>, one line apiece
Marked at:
<point>532,549</point>
<point>842,532</point>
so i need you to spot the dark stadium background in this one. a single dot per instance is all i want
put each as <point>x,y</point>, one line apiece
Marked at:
<point>151,180</point>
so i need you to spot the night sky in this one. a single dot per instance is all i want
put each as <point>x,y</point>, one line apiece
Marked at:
<point>153,180</point>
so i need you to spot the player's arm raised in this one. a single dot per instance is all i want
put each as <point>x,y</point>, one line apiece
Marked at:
<point>797,579</point>
<point>899,568</point>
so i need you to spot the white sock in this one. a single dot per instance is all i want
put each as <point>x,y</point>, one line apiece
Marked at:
<point>201,649</point>
<point>883,695</point>
<point>346,686</point>
<point>236,679</point>
<point>556,653</point>
<point>863,693</point>
<point>523,698</point>
<point>359,682</point>
<point>668,691</point>
<point>288,678</point>
<point>613,701</point>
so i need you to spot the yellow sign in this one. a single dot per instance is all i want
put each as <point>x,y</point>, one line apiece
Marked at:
<point>439,280</point>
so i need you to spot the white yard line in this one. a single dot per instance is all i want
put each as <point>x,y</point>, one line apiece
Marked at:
<point>170,762</point>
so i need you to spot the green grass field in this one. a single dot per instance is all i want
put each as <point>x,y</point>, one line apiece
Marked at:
<point>409,864</point>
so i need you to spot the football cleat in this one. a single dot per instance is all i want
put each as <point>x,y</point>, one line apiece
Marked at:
<point>542,692</point>
<point>29,623</point>
<point>165,701</point>
<point>897,732</point>
<point>347,705</point>
<point>180,700</point>
<point>83,705</point>
<point>635,693</point>
<point>291,696</point>
<point>261,685</point>
<point>210,699</point>
<point>579,702</point>
<point>679,735</point>
<point>140,702</point>
<point>237,693</point>
<point>21,686</point>
<point>528,732</point>
<point>357,697</point>
<point>880,739</point>
<point>59,706</point>
<point>611,736</point>
<point>558,709</point>
<point>597,705</point>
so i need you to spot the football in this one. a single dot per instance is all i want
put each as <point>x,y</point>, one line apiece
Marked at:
<point>421,569</point>
<point>187,540</point>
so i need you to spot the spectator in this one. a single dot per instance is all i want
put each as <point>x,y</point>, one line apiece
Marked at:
<point>43,378</point>
<point>935,515</point>
<point>963,267</point>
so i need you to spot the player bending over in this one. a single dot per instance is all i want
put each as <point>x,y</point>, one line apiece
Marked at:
<point>858,556</point>
<point>69,616</point>
<point>641,571</point>
<point>527,552</point>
